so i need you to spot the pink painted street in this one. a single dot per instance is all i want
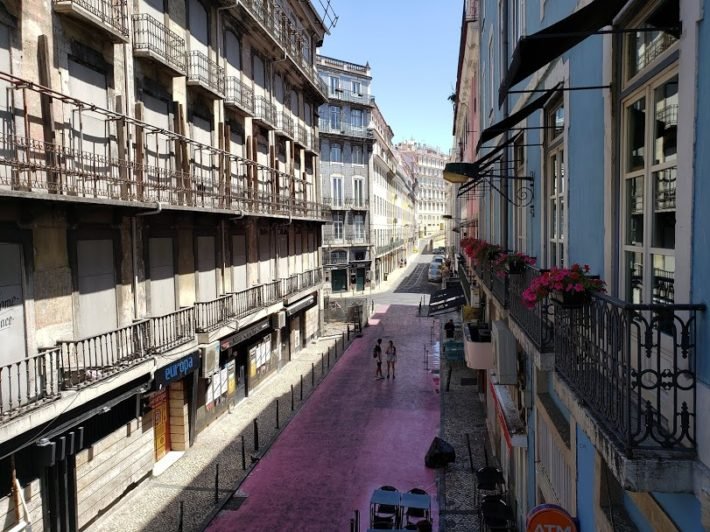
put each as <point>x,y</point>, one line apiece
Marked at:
<point>354,435</point>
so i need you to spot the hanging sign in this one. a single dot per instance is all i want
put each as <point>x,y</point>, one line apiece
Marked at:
<point>550,518</point>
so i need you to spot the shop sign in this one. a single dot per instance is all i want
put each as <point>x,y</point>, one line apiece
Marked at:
<point>550,518</point>
<point>177,370</point>
<point>304,303</point>
<point>245,334</point>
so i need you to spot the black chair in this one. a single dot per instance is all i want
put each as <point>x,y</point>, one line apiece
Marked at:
<point>416,514</point>
<point>386,514</point>
<point>488,479</point>
<point>495,514</point>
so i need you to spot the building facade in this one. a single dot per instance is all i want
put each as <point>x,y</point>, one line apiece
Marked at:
<point>367,195</point>
<point>432,191</point>
<point>590,152</point>
<point>160,219</point>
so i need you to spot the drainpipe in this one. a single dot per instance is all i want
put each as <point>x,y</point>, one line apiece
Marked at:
<point>506,110</point>
<point>134,253</point>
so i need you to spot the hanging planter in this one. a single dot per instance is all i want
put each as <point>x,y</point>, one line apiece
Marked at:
<point>512,263</point>
<point>570,300</point>
<point>568,287</point>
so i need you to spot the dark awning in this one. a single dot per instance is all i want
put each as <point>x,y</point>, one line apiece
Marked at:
<point>517,117</point>
<point>536,50</point>
<point>449,298</point>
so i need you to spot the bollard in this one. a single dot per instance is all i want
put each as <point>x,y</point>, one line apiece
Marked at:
<point>244,455</point>
<point>313,374</point>
<point>328,361</point>
<point>292,398</point>
<point>256,434</point>
<point>322,367</point>
<point>352,524</point>
<point>301,387</point>
<point>216,484</point>
<point>348,326</point>
<point>277,414</point>
<point>470,456</point>
<point>448,379</point>
<point>357,520</point>
<point>182,511</point>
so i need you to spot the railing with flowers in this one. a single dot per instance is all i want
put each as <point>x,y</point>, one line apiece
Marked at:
<point>634,368</point>
<point>535,320</point>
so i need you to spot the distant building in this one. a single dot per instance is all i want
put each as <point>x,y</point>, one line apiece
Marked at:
<point>366,197</point>
<point>432,191</point>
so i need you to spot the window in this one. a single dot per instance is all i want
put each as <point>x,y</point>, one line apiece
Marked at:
<point>337,189</point>
<point>338,225</point>
<point>336,153</point>
<point>518,20</point>
<point>334,84</point>
<point>555,188</point>
<point>359,226</point>
<point>334,117</point>
<point>357,88</point>
<point>358,192</point>
<point>650,172</point>
<point>358,155</point>
<point>520,218</point>
<point>356,117</point>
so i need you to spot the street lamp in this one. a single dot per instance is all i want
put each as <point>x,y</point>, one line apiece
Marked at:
<point>460,172</point>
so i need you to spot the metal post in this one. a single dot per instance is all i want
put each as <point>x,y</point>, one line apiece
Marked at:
<point>313,374</point>
<point>470,456</point>
<point>301,387</point>
<point>322,367</point>
<point>292,398</point>
<point>328,361</point>
<point>448,379</point>
<point>216,484</point>
<point>182,511</point>
<point>256,434</point>
<point>277,414</point>
<point>357,520</point>
<point>348,327</point>
<point>244,455</point>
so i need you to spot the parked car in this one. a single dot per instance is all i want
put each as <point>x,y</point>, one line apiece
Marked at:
<point>438,251</point>
<point>438,259</point>
<point>435,272</point>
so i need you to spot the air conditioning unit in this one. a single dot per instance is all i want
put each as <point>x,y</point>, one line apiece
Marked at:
<point>278,320</point>
<point>505,352</point>
<point>210,360</point>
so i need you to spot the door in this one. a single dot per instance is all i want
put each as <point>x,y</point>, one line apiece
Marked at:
<point>265,273</point>
<point>159,178</point>
<point>6,125</point>
<point>283,257</point>
<point>199,27</point>
<point>360,278</point>
<point>202,160</point>
<point>206,274</point>
<point>161,425</point>
<point>97,287</point>
<point>239,266</point>
<point>339,281</point>
<point>162,276</point>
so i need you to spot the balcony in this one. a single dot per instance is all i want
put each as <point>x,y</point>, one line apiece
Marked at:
<point>172,330</point>
<point>334,204</point>
<point>205,73</point>
<point>86,361</point>
<point>239,95</point>
<point>350,96</point>
<point>211,315</point>
<point>155,41</point>
<point>327,127</point>
<point>633,367</point>
<point>109,16</point>
<point>536,322</point>
<point>357,204</point>
<point>265,111</point>
<point>29,382</point>
<point>284,123</point>
<point>304,136</point>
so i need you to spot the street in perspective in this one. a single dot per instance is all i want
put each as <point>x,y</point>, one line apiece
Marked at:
<point>337,265</point>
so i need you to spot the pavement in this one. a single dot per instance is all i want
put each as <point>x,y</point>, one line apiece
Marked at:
<point>328,455</point>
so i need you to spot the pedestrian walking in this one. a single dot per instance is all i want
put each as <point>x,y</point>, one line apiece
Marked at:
<point>449,328</point>
<point>377,355</point>
<point>391,358</point>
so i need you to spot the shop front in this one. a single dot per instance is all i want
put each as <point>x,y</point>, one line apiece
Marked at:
<point>298,323</point>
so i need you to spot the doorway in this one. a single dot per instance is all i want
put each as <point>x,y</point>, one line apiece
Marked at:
<point>339,280</point>
<point>161,425</point>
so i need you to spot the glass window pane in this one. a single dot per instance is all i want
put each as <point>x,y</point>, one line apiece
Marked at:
<point>665,145</point>
<point>553,219</point>
<point>663,277</point>
<point>636,124</point>
<point>559,120</point>
<point>634,211</point>
<point>664,183</point>
<point>634,277</point>
<point>644,47</point>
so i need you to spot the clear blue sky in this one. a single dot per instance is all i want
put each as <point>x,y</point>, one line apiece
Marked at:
<point>412,47</point>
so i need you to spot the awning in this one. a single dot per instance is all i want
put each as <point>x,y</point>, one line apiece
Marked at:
<point>509,419</point>
<point>449,298</point>
<point>300,305</point>
<point>517,117</point>
<point>536,50</point>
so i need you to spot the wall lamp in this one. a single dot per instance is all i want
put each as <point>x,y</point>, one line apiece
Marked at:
<point>460,172</point>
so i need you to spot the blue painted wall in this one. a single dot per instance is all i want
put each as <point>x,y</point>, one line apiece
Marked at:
<point>635,514</point>
<point>701,214</point>
<point>585,482</point>
<point>682,508</point>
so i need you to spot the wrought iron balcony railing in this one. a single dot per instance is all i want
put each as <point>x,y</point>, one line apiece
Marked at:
<point>349,96</point>
<point>265,111</point>
<point>97,357</point>
<point>153,39</point>
<point>29,382</point>
<point>536,322</point>
<point>284,123</point>
<point>357,204</point>
<point>201,70</point>
<point>326,126</point>
<point>172,330</point>
<point>108,15</point>
<point>239,94</point>
<point>210,315</point>
<point>634,368</point>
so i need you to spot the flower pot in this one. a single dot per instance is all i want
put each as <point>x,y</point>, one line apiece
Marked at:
<point>570,300</point>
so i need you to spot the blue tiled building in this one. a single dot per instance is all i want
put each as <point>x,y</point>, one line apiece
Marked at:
<point>591,150</point>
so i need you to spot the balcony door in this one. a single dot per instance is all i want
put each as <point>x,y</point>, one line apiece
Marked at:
<point>206,269</point>
<point>159,177</point>
<point>199,24</point>
<point>162,276</point>
<point>265,271</point>
<point>239,263</point>
<point>6,103</point>
<point>156,9</point>
<point>201,131</point>
<point>233,54</point>
<point>12,307</point>
<point>96,280</point>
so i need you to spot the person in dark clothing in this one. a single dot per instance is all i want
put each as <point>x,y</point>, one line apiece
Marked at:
<point>449,328</point>
<point>377,354</point>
